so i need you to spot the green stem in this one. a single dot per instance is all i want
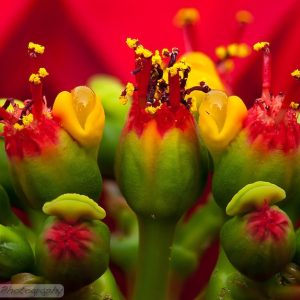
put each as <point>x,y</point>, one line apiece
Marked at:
<point>156,238</point>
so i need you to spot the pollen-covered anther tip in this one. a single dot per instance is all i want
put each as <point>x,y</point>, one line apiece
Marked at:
<point>141,51</point>
<point>35,78</point>
<point>296,74</point>
<point>132,43</point>
<point>244,17</point>
<point>186,16</point>
<point>43,72</point>
<point>127,92</point>
<point>156,59</point>
<point>261,46</point>
<point>294,105</point>
<point>35,49</point>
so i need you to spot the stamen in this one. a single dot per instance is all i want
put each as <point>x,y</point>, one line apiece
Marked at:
<point>35,50</point>
<point>266,68</point>
<point>186,18</point>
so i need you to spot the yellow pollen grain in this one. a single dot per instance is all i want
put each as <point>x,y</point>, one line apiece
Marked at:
<point>48,115</point>
<point>129,89</point>
<point>173,70</point>
<point>296,74</point>
<point>17,126</point>
<point>151,110</point>
<point>43,72</point>
<point>37,48</point>
<point>27,119</point>
<point>156,59</point>
<point>131,43</point>
<point>186,16</point>
<point>34,78</point>
<point>123,100</point>
<point>244,16</point>
<point>294,105</point>
<point>233,49</point>
<point>243,50</point>
<point>140,50</point>
<point>165,52</point>
<point>221,52</point>
<point>260,45</point>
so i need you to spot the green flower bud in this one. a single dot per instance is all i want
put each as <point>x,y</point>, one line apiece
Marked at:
<point>16,255</point>
<point>159,167</point>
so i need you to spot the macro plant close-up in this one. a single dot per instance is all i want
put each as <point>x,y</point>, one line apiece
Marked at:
<point>149,151</point>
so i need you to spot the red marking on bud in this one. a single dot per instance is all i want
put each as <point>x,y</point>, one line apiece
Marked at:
<point>32,139</point>
<point>68,241</point>
<point>267,223</point>
<point>273,124</point>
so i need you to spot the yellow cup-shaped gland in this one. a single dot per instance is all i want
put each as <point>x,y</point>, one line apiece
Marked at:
<point>81,114</point>
<point>220,120</point>
<point>202,69</point>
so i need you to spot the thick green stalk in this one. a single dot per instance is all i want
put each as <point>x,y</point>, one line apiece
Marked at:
<point>155,240</point>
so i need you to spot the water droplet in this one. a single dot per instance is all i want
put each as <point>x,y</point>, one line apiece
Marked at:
<point>215,104</point>
<point>84,101</point>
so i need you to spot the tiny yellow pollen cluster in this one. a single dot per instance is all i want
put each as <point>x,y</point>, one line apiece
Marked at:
<point>244,16</point>
<point>156,59</point>
<point>260,45</point>
<point>128,92</point>
<point>232,50</point>
<point>43,72</point>
<point>37,48</point>
<point>132,43</point>
<point>294,105</point>
<point>35,78</point>
<point>17,126</point>
<point>151,109</point>
<point>27,119</point>
<point>140,50</point>
<point>186,16</point>
<point>296,74</point>
<point>194,107</point>
<point>178,66</point>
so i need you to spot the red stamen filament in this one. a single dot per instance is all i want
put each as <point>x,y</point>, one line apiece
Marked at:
<point>266,73</point>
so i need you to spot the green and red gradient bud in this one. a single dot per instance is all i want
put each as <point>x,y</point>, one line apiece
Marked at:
<point>259,241</point>
<point>73,247</point>
<point>159,166</point>
<point>54,151</point>
<point>265,148</point>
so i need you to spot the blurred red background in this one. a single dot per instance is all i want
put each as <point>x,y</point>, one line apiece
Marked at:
<point>87,37</point>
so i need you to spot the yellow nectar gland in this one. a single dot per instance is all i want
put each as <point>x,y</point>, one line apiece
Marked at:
<point>37,48</point>
<point>260,45</point>
<point>296,74</point>
<point>186,16</point>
